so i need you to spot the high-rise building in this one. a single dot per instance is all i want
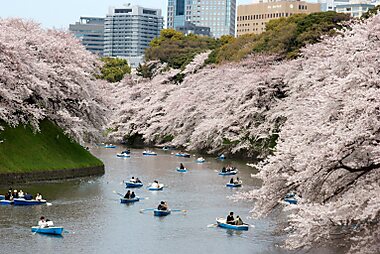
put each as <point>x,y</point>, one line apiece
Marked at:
<point>90,31</point>
<point>218,15</point>
<point>252,18</point>
<point>190,28</point>
<point>129,30</point>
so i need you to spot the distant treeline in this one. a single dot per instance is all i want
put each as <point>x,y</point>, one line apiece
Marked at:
<point>283,37</point>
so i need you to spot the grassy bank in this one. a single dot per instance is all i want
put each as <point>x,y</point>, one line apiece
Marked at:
<point>21,150</point>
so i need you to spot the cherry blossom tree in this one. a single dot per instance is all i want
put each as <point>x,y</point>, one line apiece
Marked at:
<point>48,74</point>
<point>211,107</point>
<point>328,150</point>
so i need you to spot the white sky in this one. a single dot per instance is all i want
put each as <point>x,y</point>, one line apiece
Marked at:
<point>60,13</point>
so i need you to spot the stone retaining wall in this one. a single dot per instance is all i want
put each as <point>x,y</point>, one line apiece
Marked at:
<point>16,178</point>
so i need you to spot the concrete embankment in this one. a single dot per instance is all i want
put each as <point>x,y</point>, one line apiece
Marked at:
<point>38,176</point>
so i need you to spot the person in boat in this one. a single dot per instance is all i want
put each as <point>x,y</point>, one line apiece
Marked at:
<point>28,196</point>
<point>15,194</point>
<point>181,166</point>
<point>133,195</point>
<point>155,184</point>
<point>127,195</point>
<point>232,180</point>
<point>224,170</point>
<point>238,221</point>
<point>38,197</point>
<point>237,180</point>
<point>8,196</point>
<point>230,219</point>
<point>163,206</point>
<point>132,180</point>
<point>42,222</point>
<point>138,180</point>
<point>49,223</point>
<point>21,194</point>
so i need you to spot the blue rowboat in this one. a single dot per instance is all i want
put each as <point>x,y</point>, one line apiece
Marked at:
<point>160,187</point>
<point>161,213</point>
<point>222,157</point>
<point>21,201</point>
<point>201,160</point>
<point>6,202</point>
<point>109,146</point>
<point>184,170</point>
<point>129,200</point>
<point>123,155</point>
<point>133,185</point>
<point>228,173</point>
<point>48,230</point>
<point>290,195</point>
<point>185,155</point>
<point>291,201</point>
<point>149,153</point>
<point>223,224</point>
<point>2,197</point>
<point>234,185</point>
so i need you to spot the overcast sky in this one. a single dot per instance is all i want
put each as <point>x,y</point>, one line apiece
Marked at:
<point>60,13</point>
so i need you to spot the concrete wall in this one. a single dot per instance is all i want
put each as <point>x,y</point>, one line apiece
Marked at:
<point>16,178</point>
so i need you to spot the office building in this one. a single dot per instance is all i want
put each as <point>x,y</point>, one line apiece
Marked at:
<point>218,15</point>
<point>190,28</point>
<point>252,18</point>
<point>90,31</point>
<point>129,30</point>
<point>354,8</point>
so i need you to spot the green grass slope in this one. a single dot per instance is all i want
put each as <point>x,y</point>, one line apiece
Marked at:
<point>21,150</point>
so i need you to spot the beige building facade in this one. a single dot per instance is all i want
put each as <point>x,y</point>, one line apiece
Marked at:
<point>252,18</point>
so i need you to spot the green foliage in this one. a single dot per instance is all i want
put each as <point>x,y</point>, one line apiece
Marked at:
<point>50,149</point>
<point>178,78</point>
<point>145,70</point>
<point>167,138</point>
<point>107,131</point>
<point>283,37</point>
<point>371,12</point>
<point>114,69</point>
<point>228,142</point>
<point>177,49</point>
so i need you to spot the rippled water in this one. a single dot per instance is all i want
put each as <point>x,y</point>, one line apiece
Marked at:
<point>97,223</point>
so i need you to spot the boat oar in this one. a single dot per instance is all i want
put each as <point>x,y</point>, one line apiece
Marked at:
<point>146,198</point>
<point>212,225</point>
<point>146,209</point>
<point>178,210</point>
<point>118,193</point>
<point>36,231</point>
<point>48,204</point>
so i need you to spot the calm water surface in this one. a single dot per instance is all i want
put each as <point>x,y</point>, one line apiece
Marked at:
<point>97,223</point>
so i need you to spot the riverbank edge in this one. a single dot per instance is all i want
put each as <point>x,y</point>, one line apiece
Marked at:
<point>49,175</point>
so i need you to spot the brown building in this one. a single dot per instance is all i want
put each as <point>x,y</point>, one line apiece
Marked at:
<point>251,18</point>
